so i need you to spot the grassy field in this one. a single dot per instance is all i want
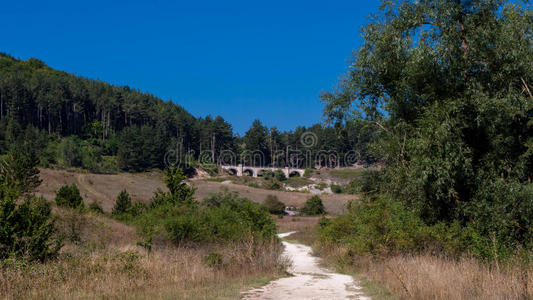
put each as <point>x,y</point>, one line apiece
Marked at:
<point>105,188</point>
<point>102,188</point>
<point>102,257</point>
<point>102,260</point>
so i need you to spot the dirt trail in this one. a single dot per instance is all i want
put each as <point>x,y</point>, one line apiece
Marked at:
<point>309,280</point>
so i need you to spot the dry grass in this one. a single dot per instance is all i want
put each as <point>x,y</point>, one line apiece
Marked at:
<point>105,262</point>
<point>141,186</point>
<point>335,204</point>
<point>130,272</point>
<point>303,225</point>
<point>102,188</point>
<point>431,277</point>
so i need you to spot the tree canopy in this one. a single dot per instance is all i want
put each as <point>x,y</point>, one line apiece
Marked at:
<point>448,85</point>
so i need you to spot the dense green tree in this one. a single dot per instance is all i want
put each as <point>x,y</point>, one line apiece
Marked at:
<point>122,204</point>
<point>69,196</point>
<point>256,147</point>
<point>313,206</point>
<point>19,170</point>
<point>180,191</point>
<point>447,83</point>
<point>26,225</point>
<point>273,205</point>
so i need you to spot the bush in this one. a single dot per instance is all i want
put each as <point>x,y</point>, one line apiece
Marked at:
<point>337,189</point>
<point>268,175</point>
<point>273,205</point>
<point>314,206</point>
<point>353,187</point>
<point>217,199</point>
<point>27,230</point>
<point>368,182</point>
<point>375,227</point>
<point>279,175</point>
<point>69,196</point>
<point>308,173</point>
<point>181,193</point>
<point>138,208</point>
<point>122,204</point>
<point>380,226</point>
<point>223,217</point>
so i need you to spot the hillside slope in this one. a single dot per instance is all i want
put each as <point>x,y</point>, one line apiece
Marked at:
<point>141,186</point>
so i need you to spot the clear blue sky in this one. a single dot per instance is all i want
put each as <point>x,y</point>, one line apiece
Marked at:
<point>239,59</point>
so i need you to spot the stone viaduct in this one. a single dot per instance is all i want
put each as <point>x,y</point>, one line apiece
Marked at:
<point>240,170</point>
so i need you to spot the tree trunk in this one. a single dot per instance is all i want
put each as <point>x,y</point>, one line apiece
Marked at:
<point>213,148</point>
<point>102,113</point>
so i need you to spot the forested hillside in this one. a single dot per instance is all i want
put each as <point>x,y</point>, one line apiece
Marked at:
<point>82,119</point>
<point>72,121</point>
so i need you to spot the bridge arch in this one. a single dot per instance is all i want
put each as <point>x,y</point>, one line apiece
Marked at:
<point>295,173</point>
<point>248,172</point>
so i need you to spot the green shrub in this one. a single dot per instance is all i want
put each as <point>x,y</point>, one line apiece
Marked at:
<point>223,217</point>
<point>337,189</point>
<point>314,206</point>
<point>27,230</point>
<point>370,181</point>
<point>273,205</point>
<point>279,175</point>
<point>308,173</point>
<point>375,227</point>
<point>122,204</point>
<point>353,187</point>
<point>217,199</point>
<point>69,196</point>
<point>268,175</point>
<point>181,193</point>
<point>186,227</point>
<point>138,208</point>
<point>380,226</point>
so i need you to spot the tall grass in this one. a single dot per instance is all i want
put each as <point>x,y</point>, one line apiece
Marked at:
<point>131,272</point>
<point>427,276</point>
<point>101,259</point>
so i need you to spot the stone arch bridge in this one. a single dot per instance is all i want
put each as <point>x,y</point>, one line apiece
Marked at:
<point>240,170</point>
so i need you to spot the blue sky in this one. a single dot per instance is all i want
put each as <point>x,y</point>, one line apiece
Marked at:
<point>243,60</point>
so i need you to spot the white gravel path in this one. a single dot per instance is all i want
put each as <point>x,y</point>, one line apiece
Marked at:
<point>309,280</point>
